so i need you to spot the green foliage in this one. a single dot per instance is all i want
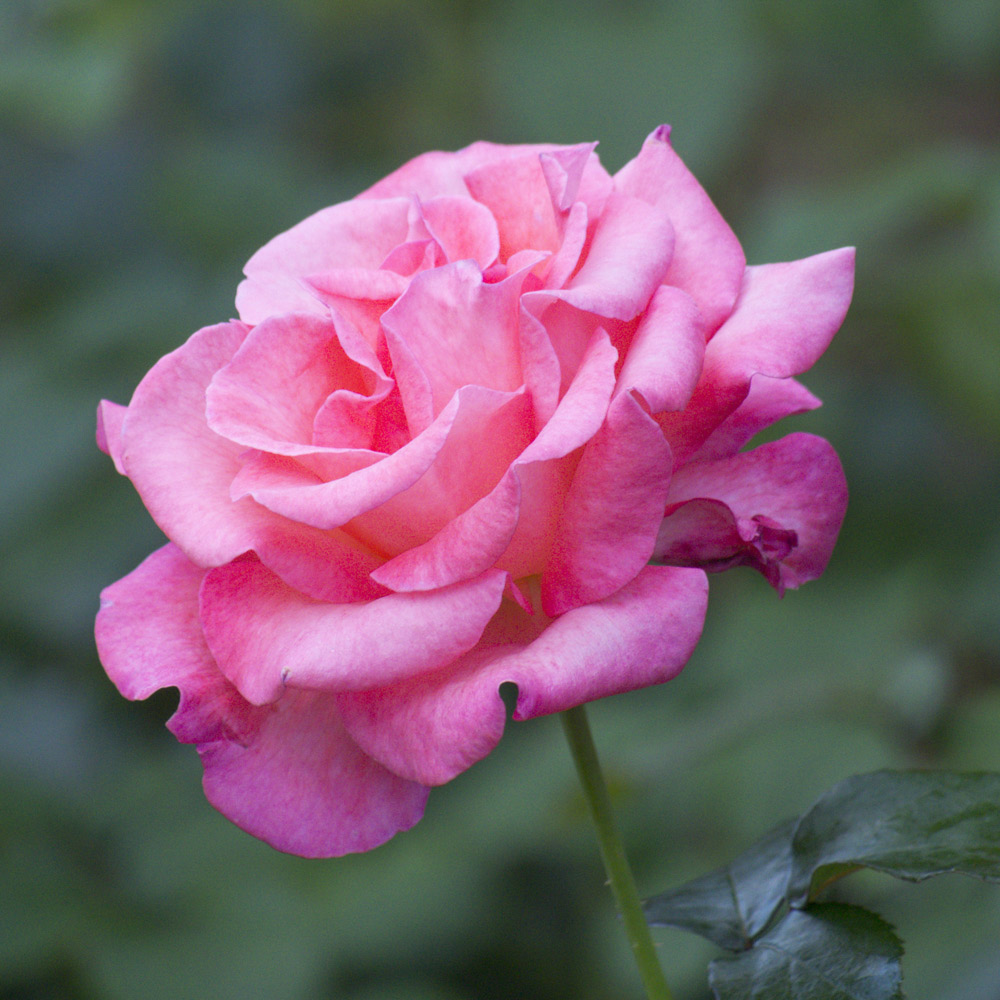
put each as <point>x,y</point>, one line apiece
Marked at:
<point>762,906</point>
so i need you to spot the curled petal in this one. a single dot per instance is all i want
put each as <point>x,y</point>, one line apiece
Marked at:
<point>665,357</point>
<point>784,319</point>
<point>181,468</point>
<point>708,261</point>
<point>267,637</point>
<point>433,727</point>
<point>777,508</point>
<point>481,346</point>
<point>110,417</point>
<point>353,234</point>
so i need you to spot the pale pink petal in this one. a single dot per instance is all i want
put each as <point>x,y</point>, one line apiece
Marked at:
<point>612,511</point>
<point>267,637</point>
<point>708,261</point>
<point>784,319</point>
<point>353,234</point>
<point>304,786</point>
<point>768,401</point>
<point>181,468</point>
<point>563,170</point>
<point>481,320</point>
<point>665,357</point>
<point>464,229</point>
<point>628,257</point>
<point>786,501</point>
<point>434,726</point>
<point>267,396</point>
<point>110,417</point>
<point>442,173</point>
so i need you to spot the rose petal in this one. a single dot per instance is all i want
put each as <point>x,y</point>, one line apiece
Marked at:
<point>181,468</point>
<point>612,511</point>
<point>433,727</point>
<point>793,485</point>
<point>267,637</point>
<point>513,525</point>
<point>784,319</point>
<point>267,396</point>
<point>353,234</point>
<point>481,346</point>
<point>768,401</point>
<point>628,257</point>
<point>304,786</point>
<point>110,417</point>
<point>464,229</point>
<point>708,260</point>
<point>665,357</point>
<point>288,773</point>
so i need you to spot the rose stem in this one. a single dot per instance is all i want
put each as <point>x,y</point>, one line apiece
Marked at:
<point>588,767</point>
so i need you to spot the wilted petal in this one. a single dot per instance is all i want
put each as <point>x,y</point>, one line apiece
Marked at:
<point>786,502</point>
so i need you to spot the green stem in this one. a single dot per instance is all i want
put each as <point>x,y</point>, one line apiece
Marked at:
<point>588,767</point>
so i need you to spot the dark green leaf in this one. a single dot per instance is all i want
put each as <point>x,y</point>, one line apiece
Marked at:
<point>733,904</point>
<point>829,951</point>
<point>908,824</point>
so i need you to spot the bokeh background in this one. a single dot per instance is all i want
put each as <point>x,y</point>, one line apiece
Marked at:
<point>147,149</point>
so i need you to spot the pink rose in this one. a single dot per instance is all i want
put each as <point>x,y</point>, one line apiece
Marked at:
<point>459,417</point>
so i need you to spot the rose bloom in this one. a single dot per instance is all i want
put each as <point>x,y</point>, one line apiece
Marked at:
<point>481,424</point>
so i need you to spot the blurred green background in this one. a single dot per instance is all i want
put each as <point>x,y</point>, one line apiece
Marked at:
<point>148,149</point>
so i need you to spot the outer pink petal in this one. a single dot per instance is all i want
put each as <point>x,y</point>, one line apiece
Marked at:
<point>768,401</point>
<point>784,320</point>
<point>708,261</point>
<point>265,636</point>
<point>352,234</point>
<point>304,786</point>
<point>795,485</point>
<point>288,774</point>
<point>612,511</point>
<point>665,357</point>
<point>435,726</point>
<point>110,417</point>
<point>181,468</point>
